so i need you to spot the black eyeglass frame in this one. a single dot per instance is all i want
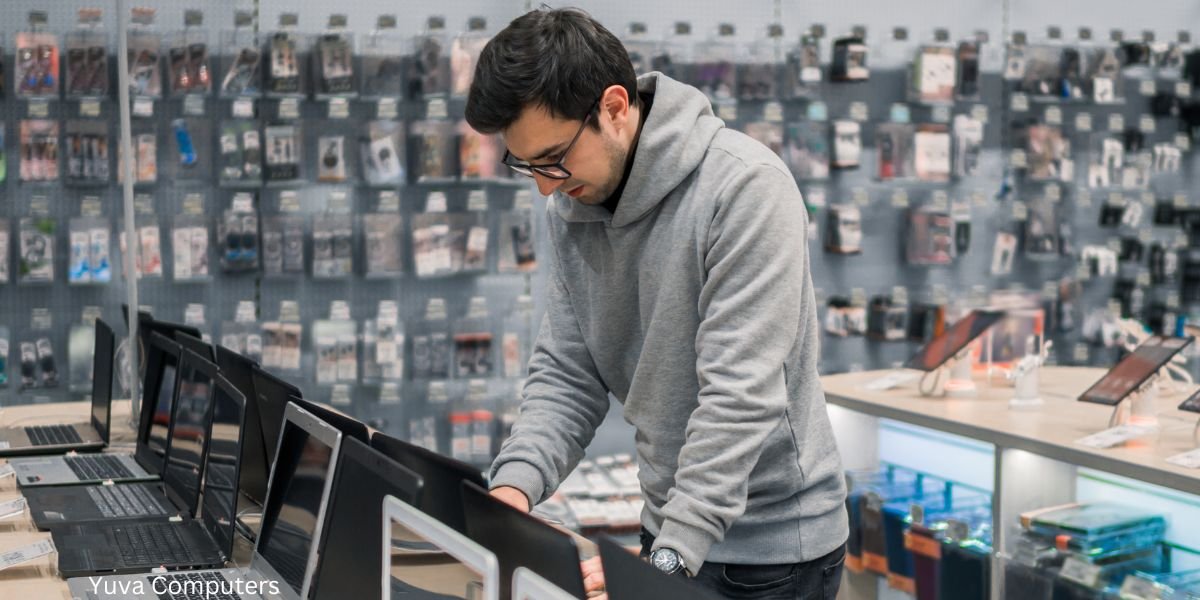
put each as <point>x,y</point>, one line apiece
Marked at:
<point>528,170</point>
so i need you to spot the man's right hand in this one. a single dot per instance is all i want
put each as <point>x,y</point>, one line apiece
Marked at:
<point>512,497</point>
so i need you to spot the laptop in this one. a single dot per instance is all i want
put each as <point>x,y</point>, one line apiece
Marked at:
<point>273,395</point>
<point>627,577</point>
<point>203,542</point>
<point>441,496</point>
<point>349,426</point>
<point>196,344</point>
<point>297,494</point>
<point>528,585</point>
<point>521,540</point>
<point>444,563</point>
<point>346,564</point>
<point>255,468</point>
<point>59,439</point>
<point>148,325</point>
<point>144,464</point>
<point>179,491</point>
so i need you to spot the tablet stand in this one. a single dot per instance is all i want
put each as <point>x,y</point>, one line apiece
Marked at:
<point>1141,406</point>
<point>953,378</point>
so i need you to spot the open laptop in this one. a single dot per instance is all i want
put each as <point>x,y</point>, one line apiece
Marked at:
<point>349,426</point>
<point>145,463</point>
<point>195,344</point>
<point>528,585</point>
<point>297,494</point>
<point>627,577</point>
<point>346,564</point>
<point>273,395</point>
<point>239,370</point>
<point>148,325</point>
<point>441,495</point>
<point>179,491</point>
<point>521,540</point>
<point>203,542</point>
<point>59,439</point>
<point>455,568</point>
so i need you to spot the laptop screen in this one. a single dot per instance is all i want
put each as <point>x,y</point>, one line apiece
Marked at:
<point>254,467</point>
<point>364,477</point>
<point>189,432</point>
<point>521,540</point>
<point>441,494</point>
<point>273,395</point>
<point>294,503</point>
<point>221,467</point>
<point>159,389</point>
<point>102,378</point>
<point>429,560</point>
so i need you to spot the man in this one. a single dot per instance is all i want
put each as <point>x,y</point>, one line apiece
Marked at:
<point>679,284</point>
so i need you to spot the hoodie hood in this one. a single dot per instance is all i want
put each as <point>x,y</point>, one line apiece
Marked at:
<point>673,141</point>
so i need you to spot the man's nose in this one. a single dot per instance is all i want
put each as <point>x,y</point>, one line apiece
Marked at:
<point>546,185</point>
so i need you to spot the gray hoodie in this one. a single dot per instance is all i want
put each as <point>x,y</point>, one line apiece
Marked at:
<point>693,305</point>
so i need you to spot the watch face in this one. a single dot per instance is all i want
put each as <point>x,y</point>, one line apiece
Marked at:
<point>666,560</point>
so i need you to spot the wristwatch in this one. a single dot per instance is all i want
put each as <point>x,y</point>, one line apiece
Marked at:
<point>668,561</point>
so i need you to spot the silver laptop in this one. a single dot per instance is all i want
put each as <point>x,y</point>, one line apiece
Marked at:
<point>424,558</point>
<point>286,551</point>
<point>145,463</point>
<point>528,585</point>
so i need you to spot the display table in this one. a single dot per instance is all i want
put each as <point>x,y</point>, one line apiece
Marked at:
<point>1036,449</point>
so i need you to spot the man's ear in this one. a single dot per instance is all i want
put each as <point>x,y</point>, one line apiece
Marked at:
<point>615,105</point>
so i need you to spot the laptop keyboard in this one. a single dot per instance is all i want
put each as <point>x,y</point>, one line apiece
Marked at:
<point>53,435</point>
<point>98,467</point>
<point>125,501</point>
<point>193,582</point>
<point>153,544</point>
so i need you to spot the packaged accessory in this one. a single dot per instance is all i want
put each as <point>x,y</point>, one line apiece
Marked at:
<point>4,241</point>
<point>1048,154</point>
<point>37,249</point>
<point>333,63</point>
<point>934,74</point>
<point>894,150</point>
<point>480,155</point>
<point>188,67</point>
<point>331,159</point>
<point>429,68</point>
<point>283,152</point>
<point>968,70</point>
<point>242,73</point>
<point>803,71</point>
<point>384,234</point>
<point>434,150</point>
<point>284,52</point>
<point>238,234</point>
<point>39,150</point>
<point>968,144</point>
<point>767,134</point>
<point>87,57</point>
<point>383,153</point>
<point>431,342</point>
<point>37,60</point>
<point>464,54</point>
<point>930,239</point>
<point>517,248</point>
<point>843,234</point>
<point>757,77</point>
<point>383,74</point>
<point>87,146</point>
<point>847,144</point>
<point>806,150</point>
<point>849,60</point>
<point>145,48</point>
<point>473,342</point>
<point>714,71</point>
<point>241,153</point>
<point>931,153</point>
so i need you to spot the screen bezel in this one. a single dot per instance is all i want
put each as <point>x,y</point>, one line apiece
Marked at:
<point>225,541</point>
<point>104,353</point>
<point>1087,396</point>
<point>239,371</point>
<point>202,348</point>
<point>275,392</point>
<point>914,363</point>
<point>436,501</point>
<point>457,545</point>
<point>1192,404</point>
<point>189,360</point>
<point>160,352</point>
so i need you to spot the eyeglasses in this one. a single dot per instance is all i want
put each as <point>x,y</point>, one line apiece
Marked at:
<point>554,170</point>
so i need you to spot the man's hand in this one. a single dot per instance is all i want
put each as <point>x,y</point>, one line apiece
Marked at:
<point>512,497</point>
<point>593,578</point>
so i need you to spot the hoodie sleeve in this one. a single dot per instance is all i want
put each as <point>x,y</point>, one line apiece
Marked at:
<point>750,312</point>
<point>564,402</point>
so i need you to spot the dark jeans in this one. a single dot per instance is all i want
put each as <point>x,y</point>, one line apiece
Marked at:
<point>814,580</point>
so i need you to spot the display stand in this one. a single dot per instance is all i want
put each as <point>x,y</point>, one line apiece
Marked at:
<point>952,379</point>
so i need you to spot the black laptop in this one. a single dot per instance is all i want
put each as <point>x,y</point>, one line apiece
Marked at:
<point>348,555</point>
<point>273,395</point>
<point>203,542</point>
<point>78,437</point>
<point>239,370</point>
<point>145,463</point>
<point>521,540</point>
<point>441,496</point>
<point>179,491</point>
<point>627,577</point>
<point>202,348</point>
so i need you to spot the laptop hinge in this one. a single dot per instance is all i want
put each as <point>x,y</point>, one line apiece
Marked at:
<point>176,519</point>
<point>106,482</point>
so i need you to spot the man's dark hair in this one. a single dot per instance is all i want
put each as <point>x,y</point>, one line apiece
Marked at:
<point>561,59</point>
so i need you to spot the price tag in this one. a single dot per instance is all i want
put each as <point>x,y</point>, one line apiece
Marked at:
<point>12,508</point>
<point>193,105</point>
<point>1183,89</point>
<point>1020,102</point>
<point>339,108</point>
<point>727,111</point>
<point>1181,240</point>
<point>1053,193</point>
<point>39,109</point>
<point>243,202</point>
<point>1147,87</point>
<point>477,200</point>
<point>1183,142</point>
<point>1143,280</point>
<point>773,112</point>
<point>387,109</point>
<point>1172,300</point>
<point>243,108</point>
<point>1017,159</point>
<point>1117,199</point>
<point>389,201</point>
<point>1083,198</point>
<point>143,107</point>
<point>940,114</point>
<point>339,310</point>
<point>24,554</point>
<point>979,200</point>
<point>817,111</point>
<point>859,111</point>
<point>1145,235</point>
<point>289,108</point>
<point>900,199</point>
<point>861,197</point>
<point>1187,460</point>
<point>1054,115</point>
<point>1112,437</point>
<point>815,197</point>
<point>1180,200</point>
<point>1020,211</point>
<point>1136,588</point>
<point>939,200</point>
<point>900,113</point>
<point>1080,353</point>
<point>89,108</point>
<point>1083,122</point>
<point>436,202</point>
<point>1146,124</point>
<point>1080,572</point>
<point>922,545</point>
<point>979,112</point>
<point>1116,122</point>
